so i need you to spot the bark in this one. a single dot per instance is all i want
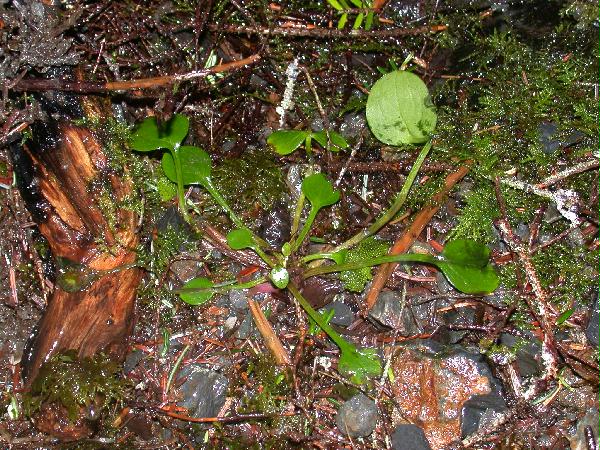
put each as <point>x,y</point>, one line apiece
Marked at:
<point>66,180</point>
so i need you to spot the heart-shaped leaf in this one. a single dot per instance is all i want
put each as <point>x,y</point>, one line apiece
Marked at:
<point>467,253</point>
<point>240,238</point>
<point>195,165</point>
<point>399,109</point>
<point>470,279</point>
<point>286,141</point>
<point>337,140</point>
<point>149,135</point>
<point>319,191</point>
<point>197,297</point>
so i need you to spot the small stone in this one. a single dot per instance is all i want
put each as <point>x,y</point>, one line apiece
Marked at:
<point>247,328</point>
<point>527,355</point>
<point>481,410</point>
<point>579,439</point>
<point>409,436</point>
<point>591,331</point>
<point>342,314</point>
<point>357,417</point>
<point>238,299</point>
<point>203,391</point>
<point>388,312</point>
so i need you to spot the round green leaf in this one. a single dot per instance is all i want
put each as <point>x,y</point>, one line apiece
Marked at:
<point>195,165</point>
<point>286,141</point>
<point>240,238</point>
<point>148,135</point>
<point>319,191</point>
<point>466,252</point>
<point>198,297</point>
<point>399,109</point>
<point>470,279</point>
<point>280,277</point>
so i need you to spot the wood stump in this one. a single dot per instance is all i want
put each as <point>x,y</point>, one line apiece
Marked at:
<point>75,198</point>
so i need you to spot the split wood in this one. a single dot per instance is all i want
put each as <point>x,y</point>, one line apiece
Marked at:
<point>408,237</point>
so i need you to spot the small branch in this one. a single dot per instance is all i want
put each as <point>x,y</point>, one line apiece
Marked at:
<point>266,330</point>
<point>87,87</point>
<point>327,33</point>
<point>539,304</point>
<point>578,168</point>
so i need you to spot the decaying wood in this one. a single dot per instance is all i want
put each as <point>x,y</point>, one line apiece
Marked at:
<point>66,174</point>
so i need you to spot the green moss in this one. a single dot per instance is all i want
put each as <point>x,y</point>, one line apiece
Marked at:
<point>248,183</point>
<point>569,274</point>
<point>74,383</point>
<point>356,280</point>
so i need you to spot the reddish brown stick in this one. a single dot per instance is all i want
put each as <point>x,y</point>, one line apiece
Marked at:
<point>408,237</point>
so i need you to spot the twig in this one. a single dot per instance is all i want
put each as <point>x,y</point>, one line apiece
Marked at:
<point>230,419</point>
<point>403,244</point>
<point>577,168</point>
<point>538,304</point>
<point>327,33</point>
<point>86,87</point>
<point>266,330</point>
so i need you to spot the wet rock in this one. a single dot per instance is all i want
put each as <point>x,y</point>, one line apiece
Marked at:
<point>353,124</point>
<point>409,436</point>
<point>388,311</point>
<point>527,355</point>
<point>591,332</point>
<point>247,328</point>
<point>276,225</point>
<point>132,360</point>
<point>481,410</point>
<point>203,391</point>
<point>238,299</point>
<point>579,440</point>
<point>458,317</point>
<point>357,417</point>
<point>432,385</point>
<point>342,314</point>
<point>522,231</point>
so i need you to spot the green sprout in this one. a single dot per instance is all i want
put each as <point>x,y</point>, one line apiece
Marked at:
<point>285,142</point>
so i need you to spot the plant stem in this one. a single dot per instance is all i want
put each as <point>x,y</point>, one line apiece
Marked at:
<point>207,184</point>
<point>318,319</point>
<point>405,257</point>
<point>179,176</point>
<point>297,214</point>
<point>305,229</point>
<point>398,203</point>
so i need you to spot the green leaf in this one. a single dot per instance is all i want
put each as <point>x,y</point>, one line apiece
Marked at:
<point>465,263</point>
<point>470,279</point>
<point>399,109</point>
<point>335,4</point>
<point>564,316</point>
<point>240,238</point>
<point>195,165</point>
<point>280,277</point>
<point>337,140</point>
<point>342,22</point>
<point>358,21</point>
<point>198,297</point>
<point>319,191</point>
<point>286,141</point>
<point>369,21</point>
<point>149,135</point>
<point>466,252</point>
<point>359,363</point>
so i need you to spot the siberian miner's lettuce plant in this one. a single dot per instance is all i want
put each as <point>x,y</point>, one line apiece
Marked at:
<point>465,264</point>
<point>399,112</point>
<point>285,142</point>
